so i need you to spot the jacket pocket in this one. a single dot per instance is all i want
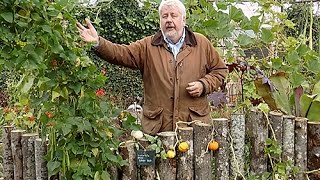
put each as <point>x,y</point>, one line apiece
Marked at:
<point>152,119</point>
<point>200,113</point>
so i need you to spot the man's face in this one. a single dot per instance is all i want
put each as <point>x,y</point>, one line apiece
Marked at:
<point>172,22</point>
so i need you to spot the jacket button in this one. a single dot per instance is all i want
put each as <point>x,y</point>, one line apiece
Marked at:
<point>171,97</point>
<point>171,79</point>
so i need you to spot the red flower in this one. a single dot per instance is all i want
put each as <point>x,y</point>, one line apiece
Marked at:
<point>100,92</point>
<point>49,115</point>
<point>6,110</point>
<point>32,118</point>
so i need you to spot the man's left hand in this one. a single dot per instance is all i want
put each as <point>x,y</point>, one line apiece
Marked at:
<point>195,88</point>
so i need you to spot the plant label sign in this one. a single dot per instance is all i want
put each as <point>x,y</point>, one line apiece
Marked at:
<point>146,157</point>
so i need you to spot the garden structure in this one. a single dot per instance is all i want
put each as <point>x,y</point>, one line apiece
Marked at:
<point>63,111</point>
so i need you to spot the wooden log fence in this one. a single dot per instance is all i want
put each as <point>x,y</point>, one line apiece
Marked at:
<point>23,154</point>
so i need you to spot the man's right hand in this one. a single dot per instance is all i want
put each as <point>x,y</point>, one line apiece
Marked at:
<point>88,34</point>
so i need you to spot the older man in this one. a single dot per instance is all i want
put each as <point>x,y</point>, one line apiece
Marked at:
<point>179,67</point>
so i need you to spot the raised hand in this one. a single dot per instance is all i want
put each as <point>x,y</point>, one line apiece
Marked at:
<point>88,34</point>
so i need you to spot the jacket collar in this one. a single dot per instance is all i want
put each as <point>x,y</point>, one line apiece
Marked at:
<point>190,38</point>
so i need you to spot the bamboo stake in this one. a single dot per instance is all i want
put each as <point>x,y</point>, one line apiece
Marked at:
<point>222,156</point>
<point>29,169</point>
<point>237,132</point>
<point>8,172</point>
<point>301,146</point>
<point>202,159</point>
<point>40,148</point>
<point>185,160</point>
<point>17,153</point>
<point>167,167</point>
<point>258,164</point>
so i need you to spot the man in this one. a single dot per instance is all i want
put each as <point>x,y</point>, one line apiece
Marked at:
<point>179,68</point>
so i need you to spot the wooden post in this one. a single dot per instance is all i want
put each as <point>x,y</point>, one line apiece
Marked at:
<point>29,169</point>
<point>40,148</point>
<point>202,157</point>
<point>288,138</point>
<point>258,164</point>
<point>185,160</point>
<point>276,122</point>
<point>237,132</point>
<point>221,126</point>
<point>17,153</point>
<point>128,153</point>
<point>147,172</point>
<point>301,146</point>
<point>314,148</point>
<point>8,172</point>
<point>167,167</point>
<point>113,170</point>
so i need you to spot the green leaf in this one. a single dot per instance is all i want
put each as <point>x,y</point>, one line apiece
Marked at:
<point>313,65</point>
<point>296,79</point>
<point>305,103</point>
<point>7,16</point>
<point>36,17</point>
<point>105,175</point>
<point>66,128</point>
<point>264,107</point>
<point>244,40</point>
<point>95,152</point>
<point>265,92</point>
<point>316,89</point>
<point>255,23</point>
<point>276,63</point>
<point>46,28</point>
<point>313,113</point>
<point>266,35</point>
<point>282,92</point>
<point>55,94</point>
<point>53,167</point>
<point>96,176</point>
<point>27,85</point>
<point>293,58</point>
<point>235,14</point>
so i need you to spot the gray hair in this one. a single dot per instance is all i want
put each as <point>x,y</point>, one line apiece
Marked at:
<point>176,3</point>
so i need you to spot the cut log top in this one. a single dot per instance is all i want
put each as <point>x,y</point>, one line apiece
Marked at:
<point>8,126</point>
<point>237,114</point>
<point>314,123</point>
<point>202,124</point>
<point>275,113</point>
<point>186,128</point>
<point>128,143</point>
<point>220,119</point>
<point>30,135</point>
<point>301,119</point>
<point>167,133</point>
<point>40,139</point>
<point>18,131</point>
<point>288,117</point>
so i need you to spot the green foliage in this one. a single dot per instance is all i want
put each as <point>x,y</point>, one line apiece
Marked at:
<point>55,93</point>
<point>121,21</point>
